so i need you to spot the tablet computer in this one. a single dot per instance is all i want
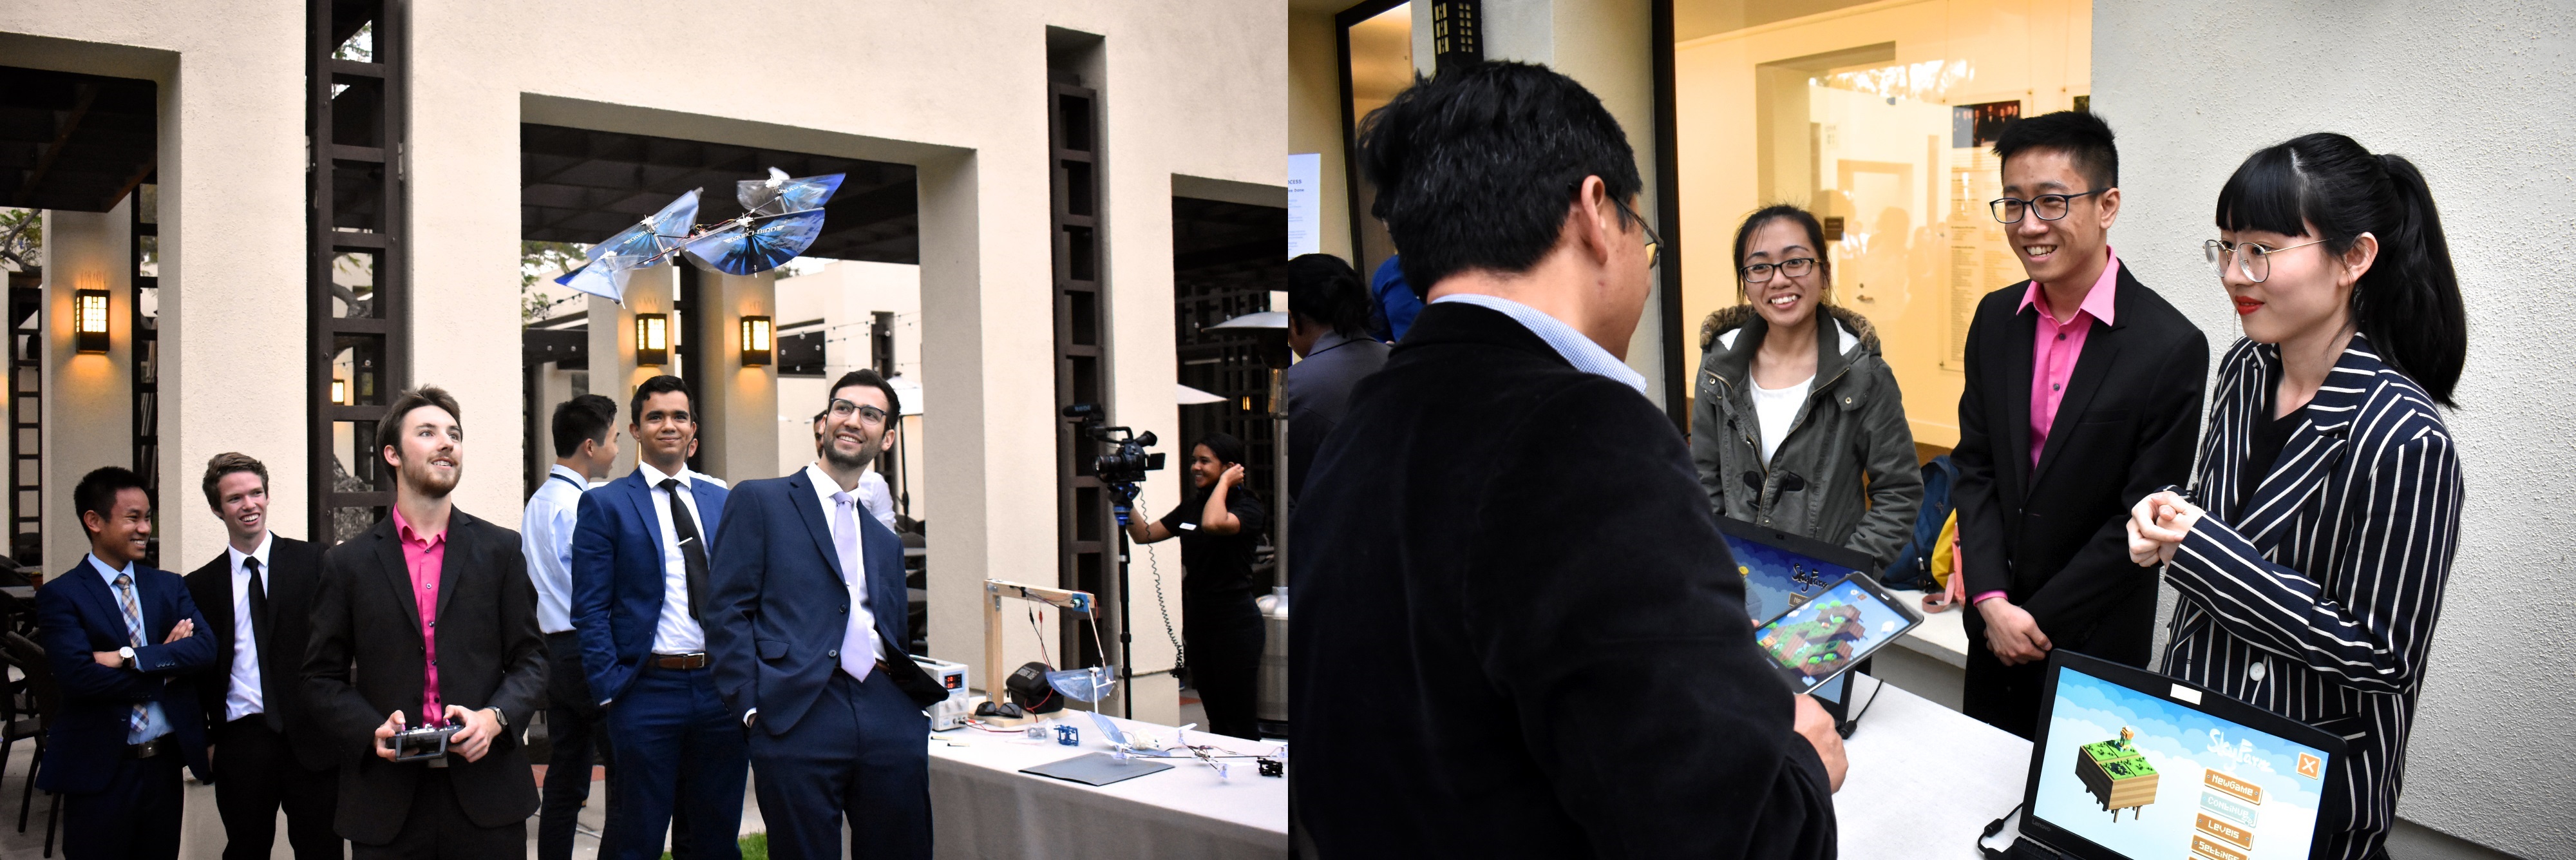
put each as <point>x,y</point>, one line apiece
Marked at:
<point>1781,570</point>
<point>1815,642</point>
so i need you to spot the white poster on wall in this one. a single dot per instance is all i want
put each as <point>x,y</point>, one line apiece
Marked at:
<point>1305,174</point>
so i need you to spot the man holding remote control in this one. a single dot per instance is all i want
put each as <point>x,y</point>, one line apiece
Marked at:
<point>428,620</point>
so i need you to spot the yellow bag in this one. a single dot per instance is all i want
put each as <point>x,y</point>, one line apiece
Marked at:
<point>1942,560</point>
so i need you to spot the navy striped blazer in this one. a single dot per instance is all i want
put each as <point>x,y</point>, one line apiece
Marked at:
<point>2315,598</point>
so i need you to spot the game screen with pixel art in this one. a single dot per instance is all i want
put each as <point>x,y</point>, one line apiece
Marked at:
<point>1842,624</point>
<point>1775,578</point>
<point>2148,777</point>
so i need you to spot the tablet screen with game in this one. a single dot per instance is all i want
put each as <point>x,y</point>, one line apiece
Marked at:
<point>1781,570</point>
<point>1816,642</point>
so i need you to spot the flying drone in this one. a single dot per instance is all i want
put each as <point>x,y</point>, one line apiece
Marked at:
<point>780,218</point>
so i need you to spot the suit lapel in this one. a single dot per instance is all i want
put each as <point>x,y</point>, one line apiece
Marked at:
<point>459,549</point>
<point>397,574</point>
<point>809,509</point>
<point>710,509</point>
<point>2101,348</point>
<point>2025,326</point>
<point>2313,448</point>
<point>640,495</point>
<point>102,599</point>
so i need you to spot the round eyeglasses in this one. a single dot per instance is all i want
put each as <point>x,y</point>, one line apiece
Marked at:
<point>2251,259</point>
<point>2049,207</point>
<point>1795,267</point>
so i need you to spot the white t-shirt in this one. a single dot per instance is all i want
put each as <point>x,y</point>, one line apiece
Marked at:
<point>1775,408</point>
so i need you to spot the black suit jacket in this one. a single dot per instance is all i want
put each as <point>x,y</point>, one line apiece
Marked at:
<point>294,570</point>
<point>366,661</point>
<point>1519,632</point>
<point>2051,537</point>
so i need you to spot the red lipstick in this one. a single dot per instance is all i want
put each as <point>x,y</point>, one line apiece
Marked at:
<point>2246,306</point>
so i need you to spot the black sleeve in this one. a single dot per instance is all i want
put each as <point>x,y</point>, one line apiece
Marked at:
<point>1972,496</point>
<point>330,691</point>
<point>1607,611</point>
<point>1248,512</point>
<point>1182,513</point>
<point>523,645</point>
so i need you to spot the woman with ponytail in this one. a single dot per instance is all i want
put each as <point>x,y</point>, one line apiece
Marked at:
<point>2312,549</point>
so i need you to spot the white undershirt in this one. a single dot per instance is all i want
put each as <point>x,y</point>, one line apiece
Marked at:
<point>243,695</point>
<point>1774,408</point>
<point>675,631</point>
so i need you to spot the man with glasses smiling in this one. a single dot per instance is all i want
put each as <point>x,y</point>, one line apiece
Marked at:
<point>2083,393</point>
<point>807,629</point>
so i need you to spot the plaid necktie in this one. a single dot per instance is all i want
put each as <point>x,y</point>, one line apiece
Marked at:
<point>133,633</point>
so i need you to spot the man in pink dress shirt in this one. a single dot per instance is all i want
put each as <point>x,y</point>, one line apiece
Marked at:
<point>2083,395</point>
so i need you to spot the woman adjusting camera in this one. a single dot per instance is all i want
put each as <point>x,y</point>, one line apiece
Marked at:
<point>1221,632</point>
<point>2312,550</point>
<point>1795,406</point>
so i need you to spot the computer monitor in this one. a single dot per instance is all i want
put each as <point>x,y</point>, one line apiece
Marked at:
<point>2130,765</point>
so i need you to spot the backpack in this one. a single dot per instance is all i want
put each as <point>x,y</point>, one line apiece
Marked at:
<point>1912,567</point>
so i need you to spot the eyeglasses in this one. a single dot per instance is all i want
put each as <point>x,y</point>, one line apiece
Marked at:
<point>841,410</point>
<point>1796,267</point>
<point>2049,207</point>
<point>1654,244</point>
<point>2254,260</point>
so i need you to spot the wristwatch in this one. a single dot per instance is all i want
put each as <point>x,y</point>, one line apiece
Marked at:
<point>126,652</point>
<point>498,715</point>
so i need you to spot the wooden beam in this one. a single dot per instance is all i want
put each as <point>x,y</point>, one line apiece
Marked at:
<point>88,94</point>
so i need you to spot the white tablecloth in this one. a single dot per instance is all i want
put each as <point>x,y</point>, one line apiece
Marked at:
<point>1923,779</point>
<point>983,807</point>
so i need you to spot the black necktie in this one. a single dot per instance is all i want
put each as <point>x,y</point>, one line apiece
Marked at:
<point>259,625</point>
<point>693,552</point>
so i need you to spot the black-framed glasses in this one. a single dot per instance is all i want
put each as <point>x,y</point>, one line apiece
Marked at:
<point>2049,207</point>
<point>1654,243</point>
<point>2251,258</point>
<point>1795,267</point>
<point>842,409</point>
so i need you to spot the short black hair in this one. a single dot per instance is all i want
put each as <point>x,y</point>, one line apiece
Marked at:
<point>2082,135</point>
<point>1474,169</point>
<point>584,418</point>
<point>658,385</point>
<point>98,490</point>
<point>389,429</point>
<point>866,376</point>
<point>1327,291</point>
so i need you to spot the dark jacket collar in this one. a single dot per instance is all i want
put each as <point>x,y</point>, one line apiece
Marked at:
<point>1444,323</point>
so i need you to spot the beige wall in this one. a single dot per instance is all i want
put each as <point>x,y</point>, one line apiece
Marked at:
<point>88,399</point>
<point>738,403</point>
<point>1315,119</point>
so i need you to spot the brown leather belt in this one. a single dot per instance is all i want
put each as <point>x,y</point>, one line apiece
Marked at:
<point>150,748</point>
<point>678,661</point>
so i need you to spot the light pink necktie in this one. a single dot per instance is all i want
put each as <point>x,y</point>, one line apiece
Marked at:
<point>858,636</point>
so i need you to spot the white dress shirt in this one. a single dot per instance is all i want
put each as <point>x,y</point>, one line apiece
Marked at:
<point>676,632</point>
<point>855,580</point>
<point>545,537</point>
<point>242,696</point>
<point>155,722</point>
<point>876,497</point>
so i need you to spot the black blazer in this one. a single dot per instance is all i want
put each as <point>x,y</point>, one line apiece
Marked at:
<point>294,570</point>
<point>2051,538</point>
<point>366,661</point>
<point>1519,632</point>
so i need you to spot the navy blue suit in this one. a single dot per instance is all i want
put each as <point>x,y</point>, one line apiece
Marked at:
<point>675,743</point>
<point>116,806</point>
<point>827,745</point>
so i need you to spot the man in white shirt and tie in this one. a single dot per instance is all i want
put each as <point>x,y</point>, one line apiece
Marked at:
<point>585,439</point>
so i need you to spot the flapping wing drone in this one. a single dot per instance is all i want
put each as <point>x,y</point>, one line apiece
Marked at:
<point>780,219</point>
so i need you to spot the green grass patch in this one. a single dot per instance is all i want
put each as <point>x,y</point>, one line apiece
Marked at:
<point>754,847</point>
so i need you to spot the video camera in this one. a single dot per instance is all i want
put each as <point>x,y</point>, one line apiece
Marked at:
<point>1123,467</point>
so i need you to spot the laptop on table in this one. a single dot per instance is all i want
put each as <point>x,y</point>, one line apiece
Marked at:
<point>2130,765</point>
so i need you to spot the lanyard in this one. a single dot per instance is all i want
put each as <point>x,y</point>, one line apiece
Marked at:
<point>576,485</point>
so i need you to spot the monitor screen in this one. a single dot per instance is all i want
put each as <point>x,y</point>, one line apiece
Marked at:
<point>1774,578</point>
<point>2149,777</point>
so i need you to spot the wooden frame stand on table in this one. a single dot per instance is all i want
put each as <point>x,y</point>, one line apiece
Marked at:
<point>995,590</point>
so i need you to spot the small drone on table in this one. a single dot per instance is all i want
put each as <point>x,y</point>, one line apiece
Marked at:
<point>780,218</point>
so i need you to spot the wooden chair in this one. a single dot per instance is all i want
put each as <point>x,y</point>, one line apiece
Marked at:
<point>29,657</point>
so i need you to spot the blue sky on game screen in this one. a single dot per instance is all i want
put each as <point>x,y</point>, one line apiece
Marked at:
<point>2183,745</point>
<point>1878,622</point>
<point>1769,573</point>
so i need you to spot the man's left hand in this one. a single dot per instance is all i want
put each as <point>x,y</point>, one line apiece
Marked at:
<point>480,728</point>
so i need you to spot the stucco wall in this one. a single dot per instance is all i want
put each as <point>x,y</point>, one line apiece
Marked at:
<point>2478,96</point>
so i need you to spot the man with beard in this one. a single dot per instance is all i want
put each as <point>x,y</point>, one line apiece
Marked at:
<point>832,702</point>
<point>428,619</point>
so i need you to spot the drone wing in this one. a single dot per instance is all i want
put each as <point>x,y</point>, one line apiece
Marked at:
<point>780,195</point>
<point>641,246</point>
<point>743,249</point>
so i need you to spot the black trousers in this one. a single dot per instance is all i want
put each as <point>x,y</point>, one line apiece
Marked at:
<point>437,829</point>
<point>136,817</point>
<point>1224,638</point>
<point>255,774</point>
<point>573,731</point>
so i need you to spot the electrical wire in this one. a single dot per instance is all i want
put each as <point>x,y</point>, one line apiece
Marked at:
<point>1180,655</point>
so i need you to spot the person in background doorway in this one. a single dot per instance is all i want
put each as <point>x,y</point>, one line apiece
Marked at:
<point>641,603</point>
<point>585,440</point>
<point>428,619</point>
<point>126,643</point>
<point>260,590</point>
<point>2083,394</point>
<point>1798,424</point>
<point>1221,632</point>
<point>2313,549</point>
<point>1328,315</point>
<point>1396,303</point>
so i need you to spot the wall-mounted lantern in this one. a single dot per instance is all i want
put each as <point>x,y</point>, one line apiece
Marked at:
<point>653,339</point>
<point>89,320</point>
<point>755,341</point>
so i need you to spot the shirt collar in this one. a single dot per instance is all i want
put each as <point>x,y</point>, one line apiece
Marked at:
<point>566,471</point>
<point>824,484</point>
<point>1578,350</point>
<point>266,540</point>
<point>2097,302</point>
<point>1326,342</point>
<point>105,572</point>
<point>404,533</point>
<point>653,477</point>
